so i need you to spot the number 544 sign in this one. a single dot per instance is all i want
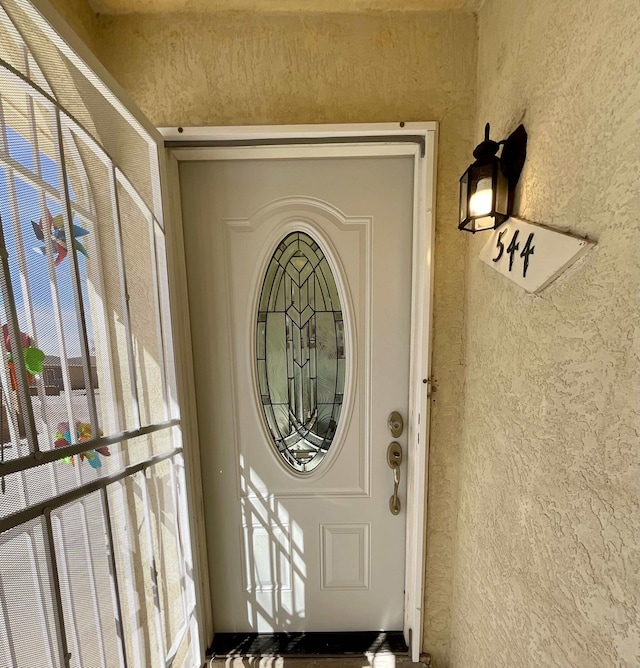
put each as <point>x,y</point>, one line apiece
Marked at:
<point>532,255</point>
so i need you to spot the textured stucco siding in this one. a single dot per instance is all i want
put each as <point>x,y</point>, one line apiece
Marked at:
<point>548,530</point>
<point>235,69</point>
<point>318,6</point>
<point>79,15</point>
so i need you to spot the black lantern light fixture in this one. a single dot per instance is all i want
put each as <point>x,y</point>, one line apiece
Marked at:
<point>487,187</point>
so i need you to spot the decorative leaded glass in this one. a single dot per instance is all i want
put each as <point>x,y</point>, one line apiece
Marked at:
<point>300,352</point>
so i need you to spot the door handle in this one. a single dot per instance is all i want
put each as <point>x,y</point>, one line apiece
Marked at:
<point>394,459</point>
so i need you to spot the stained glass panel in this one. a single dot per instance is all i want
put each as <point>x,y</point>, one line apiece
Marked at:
<point>300,351</point>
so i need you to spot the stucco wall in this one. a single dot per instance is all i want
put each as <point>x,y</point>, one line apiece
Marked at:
<point>79,15</point>
<point>214,69</point>
<point>548,531</point>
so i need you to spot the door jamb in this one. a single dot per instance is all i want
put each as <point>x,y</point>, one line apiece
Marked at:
<point>421,305</point>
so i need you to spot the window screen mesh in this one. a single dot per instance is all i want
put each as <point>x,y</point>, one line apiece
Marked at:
<point>43,483</point>
<point>135,559</point>
<point>86,582</point>
<point>26,588</point>
<point>88,101</point>
<point>170,566</point>
<point>95,565</point>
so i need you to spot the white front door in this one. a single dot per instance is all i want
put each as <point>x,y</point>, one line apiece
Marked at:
<point>296,377</point>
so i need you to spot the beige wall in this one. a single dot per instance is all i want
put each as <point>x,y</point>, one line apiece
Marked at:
<point>548,531</point>
<point>249,68</point>
<point>80,17</point>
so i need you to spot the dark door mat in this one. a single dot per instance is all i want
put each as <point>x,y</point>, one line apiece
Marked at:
<point>307,644</point>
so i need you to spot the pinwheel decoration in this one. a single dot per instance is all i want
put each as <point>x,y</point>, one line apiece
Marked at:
<point>53,230</point>
<point>83,434</point>
<point>33,357</point>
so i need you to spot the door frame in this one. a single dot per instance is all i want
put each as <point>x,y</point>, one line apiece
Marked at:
<point>377,139</point>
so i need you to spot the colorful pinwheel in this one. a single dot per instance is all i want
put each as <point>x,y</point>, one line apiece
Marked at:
<point>33,357</point>
<point>53,230</point>
<point>83,434</point>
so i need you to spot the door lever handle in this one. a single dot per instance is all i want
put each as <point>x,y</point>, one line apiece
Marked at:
<point>394,459</point>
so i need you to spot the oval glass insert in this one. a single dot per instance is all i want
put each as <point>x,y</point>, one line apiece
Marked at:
<point>300,352</point>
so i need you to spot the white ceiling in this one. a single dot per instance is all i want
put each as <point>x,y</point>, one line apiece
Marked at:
<point>320,6</point>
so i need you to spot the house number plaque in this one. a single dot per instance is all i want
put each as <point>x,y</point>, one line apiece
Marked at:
<point>532,255</point>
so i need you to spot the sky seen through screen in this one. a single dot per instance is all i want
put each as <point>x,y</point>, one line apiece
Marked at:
<point>29,202</point>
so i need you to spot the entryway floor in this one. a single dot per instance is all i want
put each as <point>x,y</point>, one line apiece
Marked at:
<point>308,644</point>
<point>310,650</point>
<point>375,661</point>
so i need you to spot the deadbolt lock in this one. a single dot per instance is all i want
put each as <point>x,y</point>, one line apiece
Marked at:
<point>395,424</point>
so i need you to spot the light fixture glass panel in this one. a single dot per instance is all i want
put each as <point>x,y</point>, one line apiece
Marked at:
<point>482,199</point>
<point>464,191</point>
<point>484,223</point>
<point>300,352</point>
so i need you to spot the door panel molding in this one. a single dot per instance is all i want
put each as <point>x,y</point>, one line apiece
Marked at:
<point>308,214</point>
<point>336,552</point>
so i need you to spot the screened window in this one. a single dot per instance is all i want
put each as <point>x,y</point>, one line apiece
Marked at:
<point>95,563</point>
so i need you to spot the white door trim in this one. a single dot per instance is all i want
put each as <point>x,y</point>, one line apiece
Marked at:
<point>422,287</point>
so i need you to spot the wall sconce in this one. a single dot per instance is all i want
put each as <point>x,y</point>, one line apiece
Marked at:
<point>486,188</point>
